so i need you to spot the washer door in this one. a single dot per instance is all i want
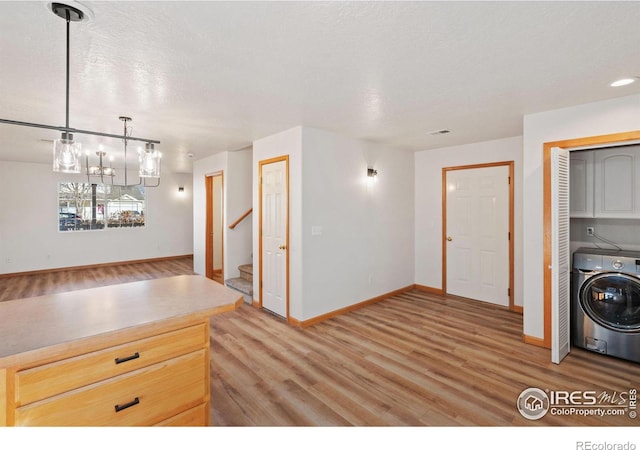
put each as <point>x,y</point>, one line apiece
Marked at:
<point>613,301</point>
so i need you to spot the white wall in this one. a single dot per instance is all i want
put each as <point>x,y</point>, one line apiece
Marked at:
<point>367,243</point>
<point>29,236</point>
<point>593,119</point>
<point>625,233</point>
<point>236,167</point>
<point>366,246</point>
<point>428,203</point>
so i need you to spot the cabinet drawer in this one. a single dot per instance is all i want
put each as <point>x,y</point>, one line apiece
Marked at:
<point>140,398</point>
<point>52,379</point>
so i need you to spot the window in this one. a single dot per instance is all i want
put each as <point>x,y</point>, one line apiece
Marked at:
<point>92,206</point>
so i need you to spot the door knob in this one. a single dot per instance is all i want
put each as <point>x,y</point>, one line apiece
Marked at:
<point>283,247</point>
<point>449,238</point>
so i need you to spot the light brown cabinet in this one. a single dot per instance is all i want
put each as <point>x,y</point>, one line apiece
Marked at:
<point>153,373</point>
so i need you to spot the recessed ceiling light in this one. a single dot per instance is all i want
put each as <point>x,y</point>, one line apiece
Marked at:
<point>623,82</point>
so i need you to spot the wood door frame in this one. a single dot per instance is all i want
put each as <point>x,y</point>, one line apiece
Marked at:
<point>262,163</point>
<point>208,252</point>
<point>601,140</point>
<point>445,171</point>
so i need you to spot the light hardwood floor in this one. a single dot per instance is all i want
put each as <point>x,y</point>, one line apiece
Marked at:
<point>35,284</point>
<point>413,360</point>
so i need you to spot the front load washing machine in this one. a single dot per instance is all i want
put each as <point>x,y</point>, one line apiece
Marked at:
<point>605,297</point>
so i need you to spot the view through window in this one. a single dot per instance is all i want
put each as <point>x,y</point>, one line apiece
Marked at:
<point>93,206</point>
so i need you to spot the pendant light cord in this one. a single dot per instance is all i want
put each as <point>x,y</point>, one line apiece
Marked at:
<point>124,133</point>
<point>68,28</point>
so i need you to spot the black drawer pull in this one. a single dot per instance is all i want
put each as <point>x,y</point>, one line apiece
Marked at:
<point>127,405</point>
<point>136,355</point>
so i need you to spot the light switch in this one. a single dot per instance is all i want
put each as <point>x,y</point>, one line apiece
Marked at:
<point>316,230</point>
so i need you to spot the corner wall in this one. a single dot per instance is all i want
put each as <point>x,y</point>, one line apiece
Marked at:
<point>428,203</point>
<point>349,242</point>
<point>366,245</point>
<point>236,167</point>
<point>288,142</point>
<point>202,168</point>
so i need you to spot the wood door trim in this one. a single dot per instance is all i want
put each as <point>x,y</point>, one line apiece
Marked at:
<point>262,163</point>
<point>603,140</point>
<point>208,252</point>
<point>445,170</point>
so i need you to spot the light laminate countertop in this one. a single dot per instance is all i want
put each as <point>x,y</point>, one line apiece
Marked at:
<point>39,322</point>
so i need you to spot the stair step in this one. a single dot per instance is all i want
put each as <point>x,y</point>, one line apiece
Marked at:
<point>240,284</point>
<point>246,272</point>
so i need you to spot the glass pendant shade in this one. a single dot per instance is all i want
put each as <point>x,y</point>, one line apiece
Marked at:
<point>149,160</point>
<point>66,154</point>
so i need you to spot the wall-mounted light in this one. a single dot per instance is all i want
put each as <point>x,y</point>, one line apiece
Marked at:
<point>372,173</point>
<point>181,189</point>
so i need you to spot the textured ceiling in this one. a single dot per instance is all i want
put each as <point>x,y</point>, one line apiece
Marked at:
<point>205,77</point>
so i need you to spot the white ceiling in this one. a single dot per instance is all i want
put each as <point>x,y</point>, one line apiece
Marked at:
<point>205,77</point>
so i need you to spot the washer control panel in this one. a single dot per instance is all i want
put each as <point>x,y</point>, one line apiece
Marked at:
<point>602,260</point>
<point>618,263</point>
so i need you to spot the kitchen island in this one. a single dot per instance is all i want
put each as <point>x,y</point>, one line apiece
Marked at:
<point>133,354</point>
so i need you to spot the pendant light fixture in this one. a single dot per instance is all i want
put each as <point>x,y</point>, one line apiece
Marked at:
<point>148,158</point>
<point>67,151</point>
<point>99,170</point>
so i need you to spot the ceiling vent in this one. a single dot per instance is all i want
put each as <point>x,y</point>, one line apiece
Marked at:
<point>437,132</point>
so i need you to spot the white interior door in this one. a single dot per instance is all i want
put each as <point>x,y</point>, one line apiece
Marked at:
<point>274,213</point>
<point>560,255</point>
<point>477,234</point>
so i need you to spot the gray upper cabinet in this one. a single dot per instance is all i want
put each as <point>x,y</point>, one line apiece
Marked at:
<point>617,183</point>
<point>605,183</point>
<point>581,184</point>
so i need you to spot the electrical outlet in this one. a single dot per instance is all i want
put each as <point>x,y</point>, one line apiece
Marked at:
<point>591,231</point>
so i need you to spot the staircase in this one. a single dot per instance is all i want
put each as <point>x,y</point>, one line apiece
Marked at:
<point>244,283</point>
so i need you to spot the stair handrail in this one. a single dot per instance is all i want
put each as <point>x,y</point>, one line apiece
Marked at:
<point>240,219</point>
